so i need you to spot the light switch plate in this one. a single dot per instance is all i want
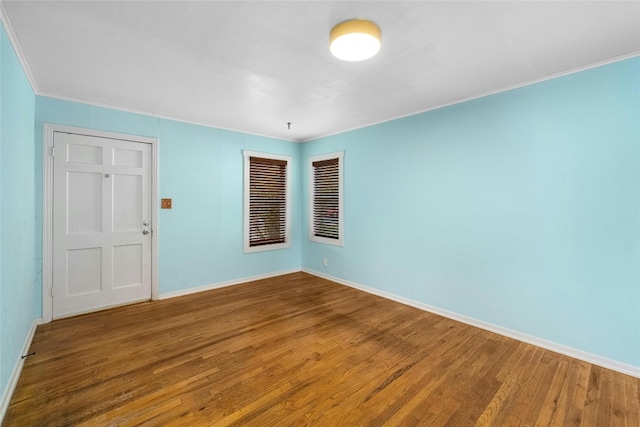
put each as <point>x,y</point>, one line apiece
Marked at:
<point>165,204</point>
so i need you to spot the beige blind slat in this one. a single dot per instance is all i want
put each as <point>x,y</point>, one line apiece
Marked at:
<point>267,201</point>
<point>326,198</point>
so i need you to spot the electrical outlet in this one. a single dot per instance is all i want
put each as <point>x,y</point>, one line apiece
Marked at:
<point>324,262</point>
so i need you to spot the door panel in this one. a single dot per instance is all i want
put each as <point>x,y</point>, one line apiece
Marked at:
<point>102,198</point>
<point>85,197</point>
<point>127,158</point>
<point>84,271</point>
<point>127,206</point>
<point>125,272</point>
<point>86,154</point>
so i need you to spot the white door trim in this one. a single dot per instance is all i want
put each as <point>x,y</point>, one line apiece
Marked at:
<point>47,207</point>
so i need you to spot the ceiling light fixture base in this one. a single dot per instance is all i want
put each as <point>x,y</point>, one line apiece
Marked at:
<point>355,40</point>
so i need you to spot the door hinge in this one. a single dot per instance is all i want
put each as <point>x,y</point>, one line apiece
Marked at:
<point>52,151</point>
<point>52,292</point>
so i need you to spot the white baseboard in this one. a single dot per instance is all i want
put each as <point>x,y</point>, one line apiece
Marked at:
<point>17,369</point>
<point>225,284</point>
<point>604,362</point>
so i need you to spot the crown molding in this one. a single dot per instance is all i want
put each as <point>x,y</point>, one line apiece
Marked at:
<point>16,47</point>
<point>553,76</point>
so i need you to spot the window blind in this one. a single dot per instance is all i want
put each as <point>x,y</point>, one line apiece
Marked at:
<point>267,201</point>
<point>326,198</point>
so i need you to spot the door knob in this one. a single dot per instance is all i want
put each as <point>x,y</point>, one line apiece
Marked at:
<point>145,231</point>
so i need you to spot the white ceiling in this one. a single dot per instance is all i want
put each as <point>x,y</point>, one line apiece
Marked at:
<point>254,66</point>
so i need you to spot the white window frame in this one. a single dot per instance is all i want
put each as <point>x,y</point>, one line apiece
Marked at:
<point>287,241</point>
<point>312,237</point>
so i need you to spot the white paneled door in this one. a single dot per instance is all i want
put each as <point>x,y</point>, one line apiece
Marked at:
<point>101,223</point>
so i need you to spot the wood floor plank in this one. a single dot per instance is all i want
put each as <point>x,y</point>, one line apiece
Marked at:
<point>631,401</point>
<point>298,350</point>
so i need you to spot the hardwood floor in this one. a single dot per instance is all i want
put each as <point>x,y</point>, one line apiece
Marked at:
<point>300,350</point>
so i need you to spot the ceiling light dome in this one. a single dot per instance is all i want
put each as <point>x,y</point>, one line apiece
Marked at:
<point>355,40</point>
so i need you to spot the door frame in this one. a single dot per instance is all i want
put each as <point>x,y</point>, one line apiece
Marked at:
<point>47,207</point>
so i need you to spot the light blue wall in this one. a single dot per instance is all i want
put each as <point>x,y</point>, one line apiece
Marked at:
<point>519,209</point>
<point>17,273</point>
<point>201,169</point>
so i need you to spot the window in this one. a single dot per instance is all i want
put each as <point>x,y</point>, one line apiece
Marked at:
<point>326,210</point>
<point>267,201</point>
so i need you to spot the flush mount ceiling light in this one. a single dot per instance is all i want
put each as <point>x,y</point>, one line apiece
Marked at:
<point>355,40</point>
